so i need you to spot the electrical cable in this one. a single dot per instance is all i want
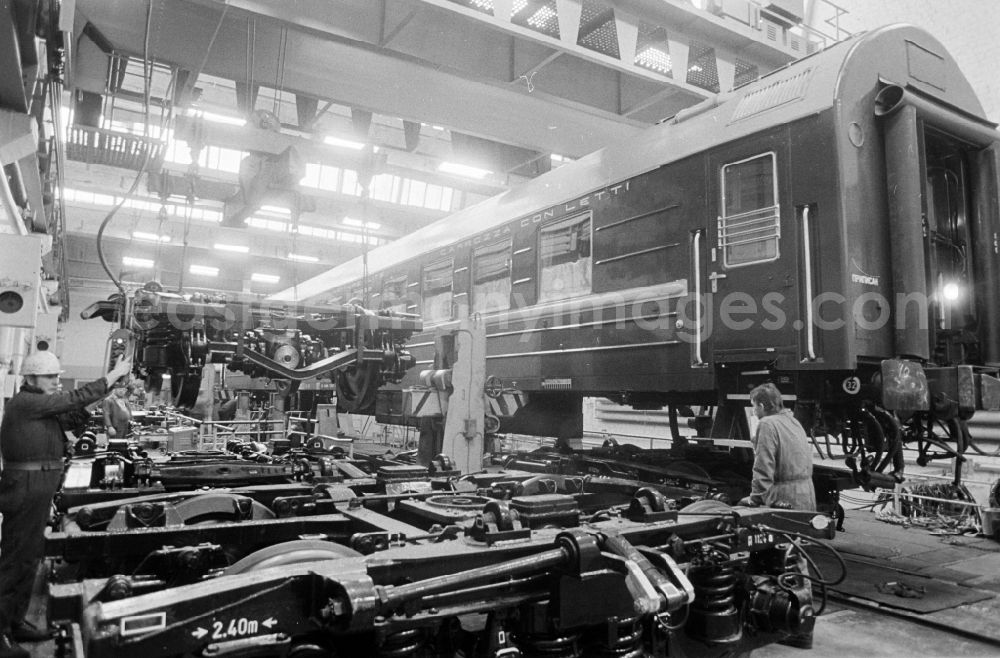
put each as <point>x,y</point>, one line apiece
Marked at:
<point>788,534</point>
<point>184,244</point>
<point>975,447</point>
<point>146,151</point>
<point>147,79</point>
<point>819,578</point>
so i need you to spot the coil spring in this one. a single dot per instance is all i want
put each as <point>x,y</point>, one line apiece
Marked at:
<point>790,562</point>
<point>714,588</point>
<point>160,336</point>
<point>623,639</point>
<point>402,644</point>
<point>554,646</point>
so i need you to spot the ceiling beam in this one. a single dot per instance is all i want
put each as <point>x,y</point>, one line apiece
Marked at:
<point>360,75</point>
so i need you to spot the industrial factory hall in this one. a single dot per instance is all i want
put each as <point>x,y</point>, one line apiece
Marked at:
<point>499,328</point>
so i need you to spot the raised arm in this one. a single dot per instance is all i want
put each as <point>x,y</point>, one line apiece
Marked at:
<point>60,403</point>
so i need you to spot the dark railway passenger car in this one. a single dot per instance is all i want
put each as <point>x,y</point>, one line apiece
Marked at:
<point>832,227</point>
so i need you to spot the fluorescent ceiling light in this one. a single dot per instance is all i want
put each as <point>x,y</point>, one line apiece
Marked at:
<point>144,263</point>
<point>303,258</point>
<point>204,270</point>
<point>217,118</point>
<point>463,170</point>
<point>278,210</point>
<point>238,248</point>
<point>152,237</point>
<point>350,221</point>
<point>265,278</point>
<point>345,143</point>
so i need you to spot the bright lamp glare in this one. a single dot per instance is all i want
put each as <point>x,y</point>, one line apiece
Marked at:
<point>217,118</point>
<point>344,143</point>
<point>152,237</point>
<point>143,263</point>
<point>303,258</point>
<point>463,170</point>
<point>204,270</point>
<point>237,248</point>
<point>350,221</point>
<point>951,291</point>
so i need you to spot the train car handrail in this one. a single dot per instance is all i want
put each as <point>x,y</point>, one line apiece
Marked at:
<point>698,361</point>
<point>810,337</point>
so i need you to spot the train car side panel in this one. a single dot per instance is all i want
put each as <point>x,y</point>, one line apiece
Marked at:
<point>752,239</point>
<point>824,341</point>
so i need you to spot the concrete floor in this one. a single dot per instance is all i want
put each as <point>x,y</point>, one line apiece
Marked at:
<point>847,632</point>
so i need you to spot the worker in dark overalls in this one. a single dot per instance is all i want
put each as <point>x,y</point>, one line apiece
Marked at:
<point>116,412</point>
<point>31,453</point>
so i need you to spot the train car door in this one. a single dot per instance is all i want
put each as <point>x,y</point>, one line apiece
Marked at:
<point>943,227</point>
<point>749,284</point>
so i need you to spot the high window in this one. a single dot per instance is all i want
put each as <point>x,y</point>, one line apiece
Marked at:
<point>436,291</point>
<point>565,260</point>
<point>393,297</point>
<point>750,226</point>
<point>491,278</point>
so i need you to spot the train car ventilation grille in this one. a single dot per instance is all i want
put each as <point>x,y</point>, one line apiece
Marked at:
<point>770,96</point>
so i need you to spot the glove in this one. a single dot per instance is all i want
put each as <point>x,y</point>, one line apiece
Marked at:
<point>747,502</point>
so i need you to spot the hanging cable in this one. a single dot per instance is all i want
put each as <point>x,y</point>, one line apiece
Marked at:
<point>161,217</point>
<point>293,226</point>
<point>364,246</point>
<point>208,50</point>
<point>188,211</point>
<point>279,72</point>
<point>58,148</point>
<point>147,82</point>
<point>251,46</point>
<point>145,155</point>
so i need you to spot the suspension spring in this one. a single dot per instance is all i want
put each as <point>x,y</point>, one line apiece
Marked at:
<point>714,589</point>
<point>623,639</point>
<point>554,646</point>
<point>713,615</point>
<point>402,644</point>
<point>160,336</point>
<point>792,562</point>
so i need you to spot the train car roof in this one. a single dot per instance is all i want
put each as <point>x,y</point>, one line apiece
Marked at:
<point>902,54</point>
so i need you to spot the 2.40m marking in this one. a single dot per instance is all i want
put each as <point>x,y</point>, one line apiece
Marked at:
<point>237,627</point>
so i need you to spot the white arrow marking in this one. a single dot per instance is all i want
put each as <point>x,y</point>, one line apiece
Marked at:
<point>199,633</point>
<point>269,622</point>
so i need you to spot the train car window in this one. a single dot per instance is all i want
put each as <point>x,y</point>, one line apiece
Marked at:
<point>436,291</point>
<point>393,296</point>
<point>750,226</point>
<point>564,254</point>
<point>356,293</point>
<point>491,277</point>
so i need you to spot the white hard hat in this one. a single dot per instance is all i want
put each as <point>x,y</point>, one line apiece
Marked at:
<point>41,363</point>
